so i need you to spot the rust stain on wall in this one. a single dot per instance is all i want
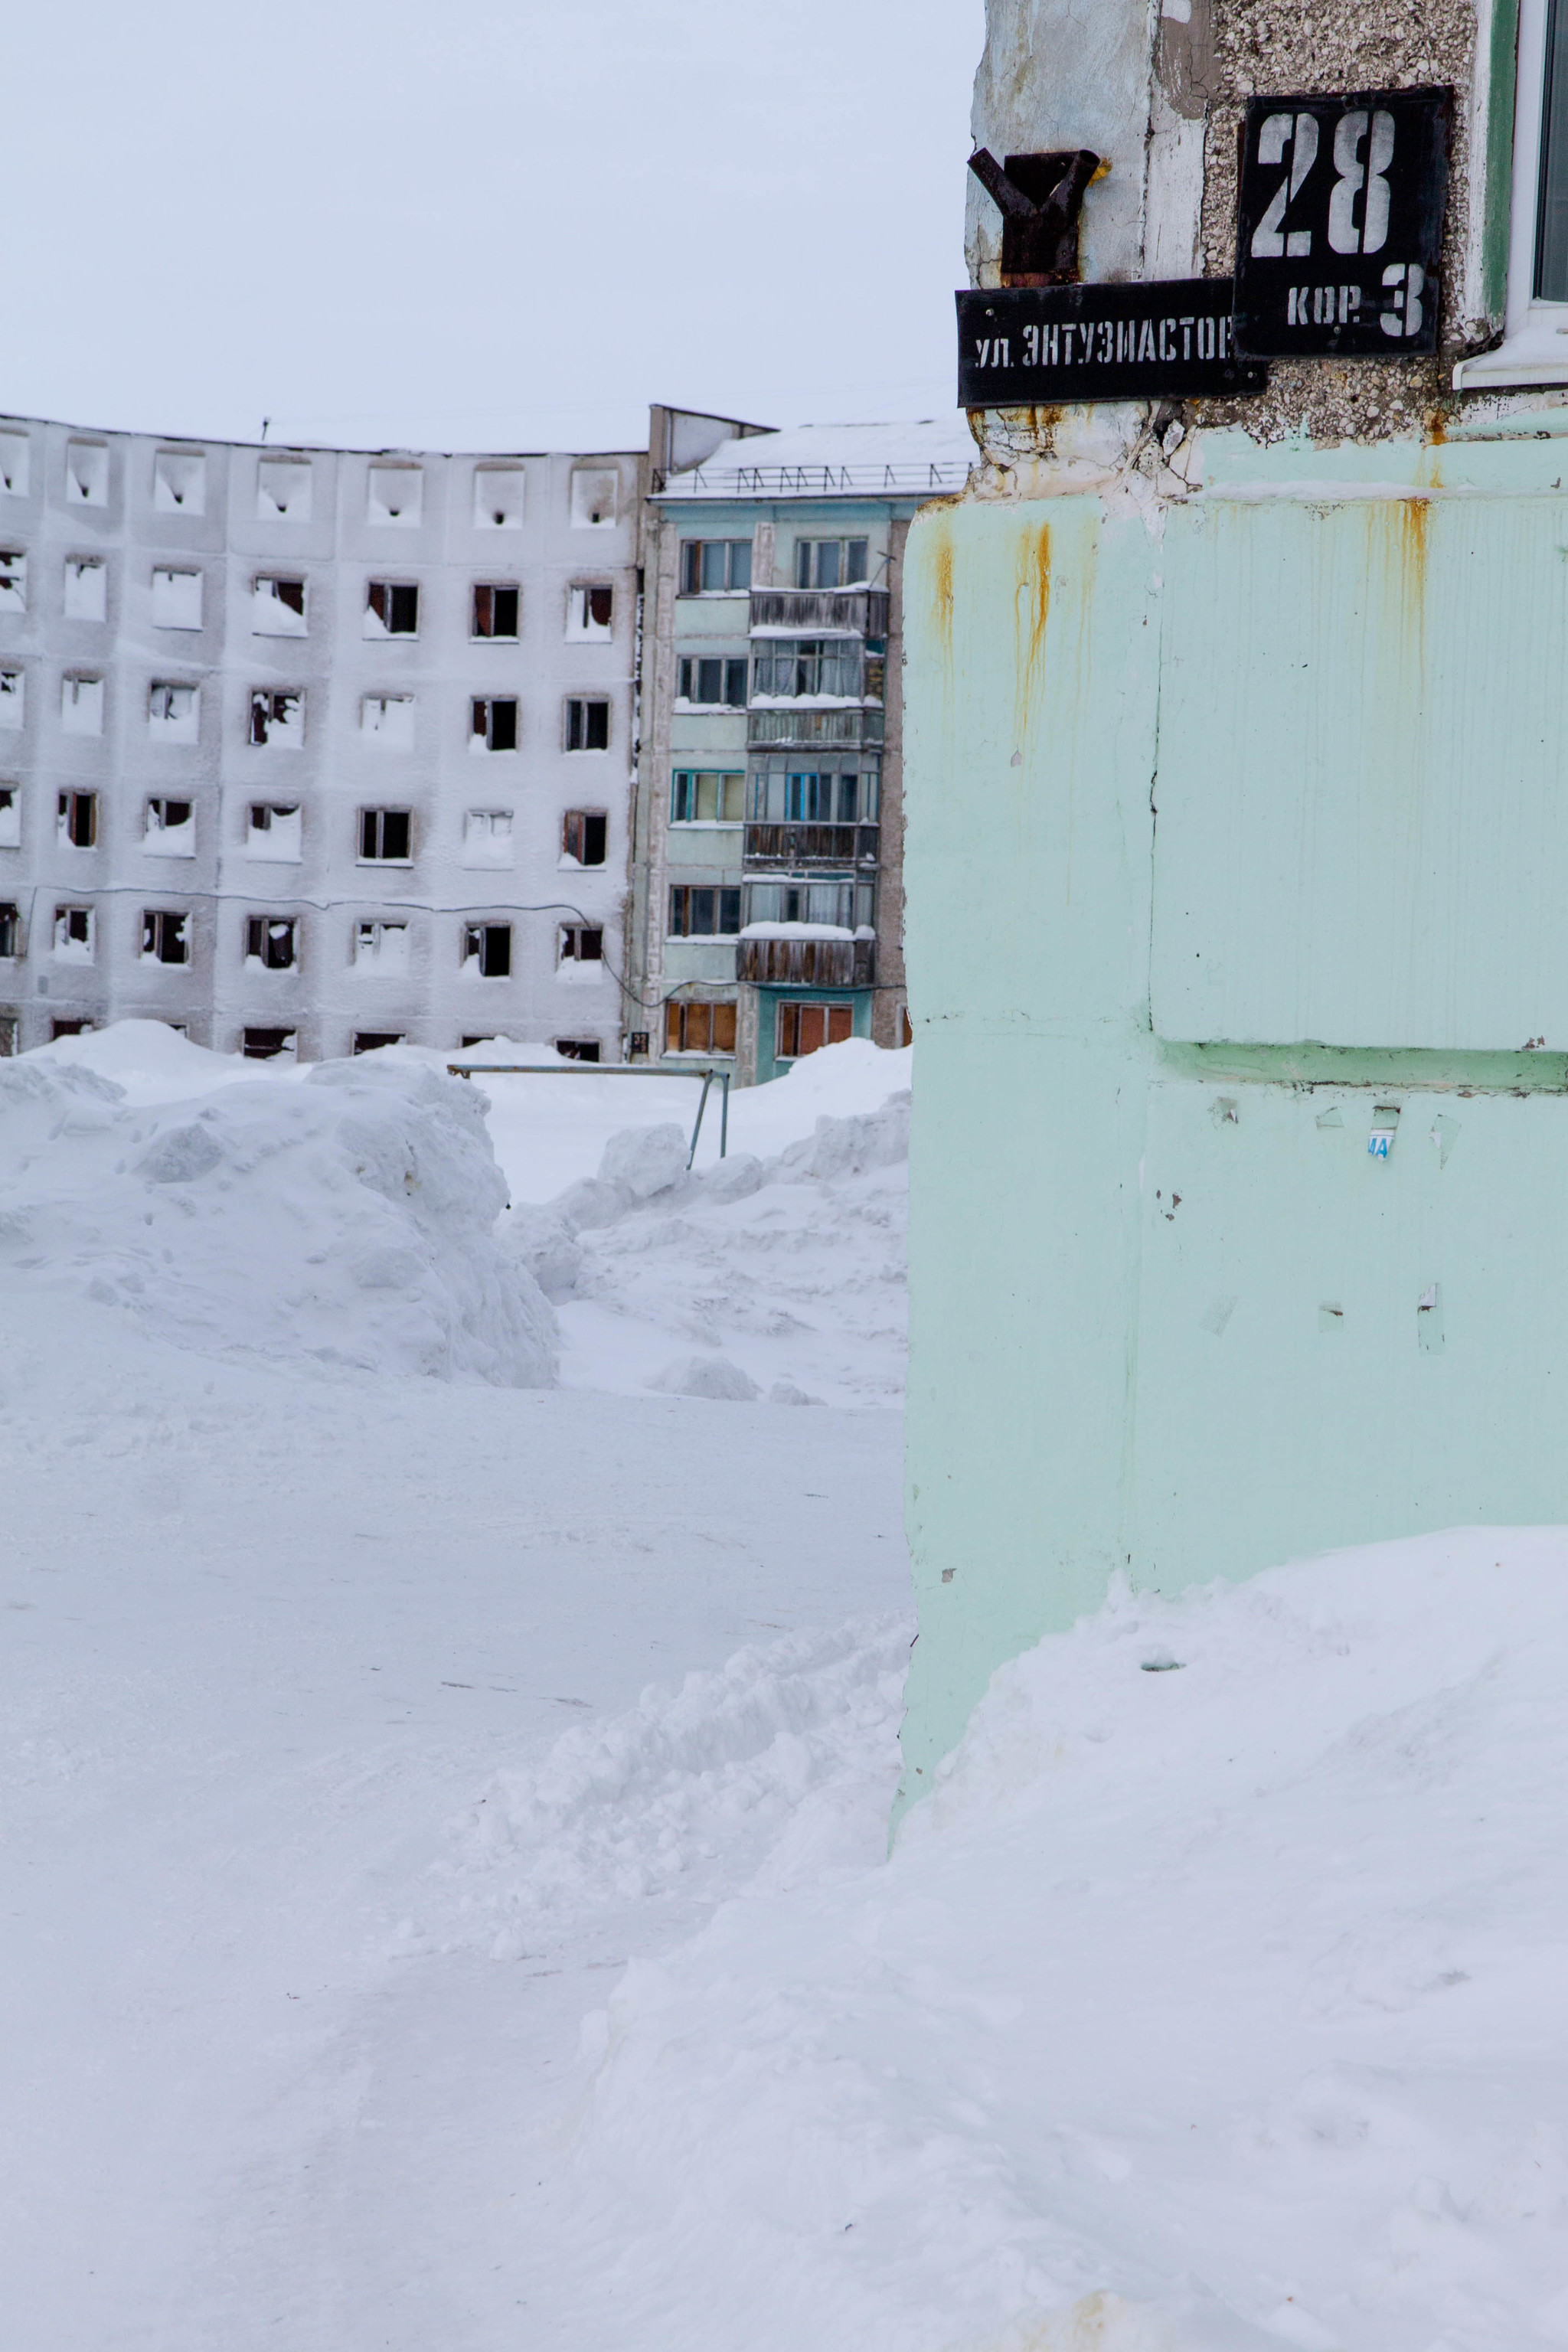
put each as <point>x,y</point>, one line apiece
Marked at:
<point>1032,606</point>
<point>941,581</point>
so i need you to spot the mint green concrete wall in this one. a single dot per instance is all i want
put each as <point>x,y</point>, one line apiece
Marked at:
<point>1228,831</point>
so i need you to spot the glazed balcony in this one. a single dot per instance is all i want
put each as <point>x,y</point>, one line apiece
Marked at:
<point>798,847</point>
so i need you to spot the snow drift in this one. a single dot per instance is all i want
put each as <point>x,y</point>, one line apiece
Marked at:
<point>345,1217</point>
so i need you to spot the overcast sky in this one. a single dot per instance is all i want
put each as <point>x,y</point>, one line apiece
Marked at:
<point>509,225</point>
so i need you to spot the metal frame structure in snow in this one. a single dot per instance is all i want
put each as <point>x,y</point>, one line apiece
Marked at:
<point>610,1070</point>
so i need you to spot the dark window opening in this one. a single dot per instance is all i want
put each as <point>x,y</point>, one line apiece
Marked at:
<point>395,605</point>
<point>166,936</point>
<point>72,1028</point>
<point>601,604</point>
<point>488,945</point>
<point>587,726</point>
<point>711,567</point>
<point>700,913</point>
<point>698,1028</point>
<point>265,1045</point>
<point>806,1028</point>
<point>10,932</point>
<point>386,834</point>
<point>577,1049</point>
<point>584,835</point>
<point>495,724</point>
<point>276,717</point>
<point>495,612</point>
<point>582,944</point>
<point>78,819</point>
<point>371,1041</point>
<point>270,939</point>
<point>167,816</point>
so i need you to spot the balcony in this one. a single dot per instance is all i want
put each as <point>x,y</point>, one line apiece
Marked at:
<point>805,963</point>
<point>813,728</point>
<point>795,847</point>
<point>820,612</point>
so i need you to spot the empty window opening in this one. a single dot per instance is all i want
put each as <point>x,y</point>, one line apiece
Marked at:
<point>10,817</point>
<point>81,706</point>
<point>581,943</point>
<point>715,567</point>
<point>70,1029</point>
<point>268,1044</point>
<point>86,588</point>
<point>785,795</point>
<point>718,684</point>
<point>173,711</point>
<point>74,933</point>
<point>584,835</point>
<point>495,612</point>
<point>13,699</point>
<point>589,611</point>
<point>13,580</point>
<point>7,1035</point>
<point>87,474</point>
<point>706,796</point>
<point>395,495</point>
<point>274,832</point>
<point>386,836</point>
<point>698,1028</point>
<point>577,1049</point>
<point>587,726</point>
<point>169,829</point>
<point>15,469</point>
<point>10,932</point>
<point>385,945</point>
<point>165,936</point>
<point>392,608</point>
<point>700,912</point>
<point>176,599</point>
<point>76,826</point>
<point>277,606</point>
<point>806,1028</point>
<point>179,482</point>
<point>277,719</point>
<point>499,498</point>
<point>487,837</point>
<point>269,942</point>
<point>283,489</point>
<point>493,724</point>
<point>487,950</point>
<point>371,1041</point>
<point>594,491</point>
<point>388,721</point>
<point>832,562</point>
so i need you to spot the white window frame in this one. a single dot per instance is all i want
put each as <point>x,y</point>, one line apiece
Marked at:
<point>1534,348</point>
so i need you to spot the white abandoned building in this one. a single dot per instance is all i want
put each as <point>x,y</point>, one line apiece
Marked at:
<point>309,750</point>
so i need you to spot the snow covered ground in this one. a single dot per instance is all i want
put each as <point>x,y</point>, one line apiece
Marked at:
<point>443,1814</point>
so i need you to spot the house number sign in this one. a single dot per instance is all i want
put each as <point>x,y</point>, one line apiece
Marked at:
<point>1339,225</point>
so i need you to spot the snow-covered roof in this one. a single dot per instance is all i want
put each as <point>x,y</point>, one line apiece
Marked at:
<point>835,460</point>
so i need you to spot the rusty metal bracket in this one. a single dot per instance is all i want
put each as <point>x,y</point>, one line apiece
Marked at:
<point>1039,198</point>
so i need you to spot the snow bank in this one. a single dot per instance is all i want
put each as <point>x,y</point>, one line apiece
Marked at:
<point>345,1217</point>
<point>152,1063</point>
<point>1213,2002</point>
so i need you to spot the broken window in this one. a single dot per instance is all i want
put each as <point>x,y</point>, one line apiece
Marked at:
<point>698,912</point>
<point>10,932</point>
<point>371,1041</point>
<point>388,719</point>
<point>86,587</point>
<point>785,795</point>
<point>806,1028</point>
<point>173,711</point>
<point>832,562</point>
<point>842,906</point>
<point>13,699</point>
<point>274,832</point>
<point>487,950</point>
<point>269,941</point>
<point>13,580</point>
<point>584,837</point>
<point>577,1049</point>
<point>589,611</point>
<point>715,567</point>
<point>75,827</point>
<point>706,796</point>
<point>581,943</point>
<point>176,599</point>
<point>587,726</point>
<point>15,469</point>
<point>277,606</point>
<point>283,489</point>
<point>495,612</point>
<point>392,608</point>
<point>395,495</point>
<point>10,817</point>
<point>70,1029</point>
<point>165,936</point>
<point>87,474</point>
<point>169,829</point>
<point>497,498</point>
<point>698,1028</point>
<point>825,667</point>
<point>74,930</point>
<point>594,491</point>
<point>179,482</point>
<point>487,837</point>
<point>384,944</point>
<point>267,1044</point>
<point>386,835</point>
<point>81,706</point>
<point>493,725</point>
<point>720,684</point>
<point>277,719</point>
